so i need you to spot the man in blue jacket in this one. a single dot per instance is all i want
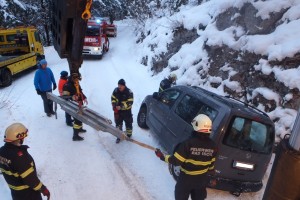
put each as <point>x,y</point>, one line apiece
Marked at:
<point>43,80</point>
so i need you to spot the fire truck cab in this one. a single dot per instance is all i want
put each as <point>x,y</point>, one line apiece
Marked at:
<point>96,42</point>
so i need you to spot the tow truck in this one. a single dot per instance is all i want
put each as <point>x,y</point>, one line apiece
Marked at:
<point>20,49</point>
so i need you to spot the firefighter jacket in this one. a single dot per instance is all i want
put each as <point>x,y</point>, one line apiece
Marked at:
<point>195,156</point>
<point>164,84</point>
<point>69,90</point>
<point>19,170</point>
<point>123,99</point>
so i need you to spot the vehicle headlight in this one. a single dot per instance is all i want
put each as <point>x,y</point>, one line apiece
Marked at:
<point>244,166</point>
<point>96,48</point>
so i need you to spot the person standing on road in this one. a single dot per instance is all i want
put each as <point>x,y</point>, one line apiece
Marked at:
<point>73,91</point>
<point>43,80</point>
<point>62,81</point>
<point>167,82</point>
<point>18,166</point>
<point>196,156</point>
<point>122,100</point>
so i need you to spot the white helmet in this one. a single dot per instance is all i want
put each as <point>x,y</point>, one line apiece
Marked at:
<point>173,77</point>
<point>202,123</point>
<point>14,132</point>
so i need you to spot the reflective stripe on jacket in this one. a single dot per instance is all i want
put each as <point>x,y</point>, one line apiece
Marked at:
<point>195,156</point>
<point>20,173</point>
<point>123,99</point>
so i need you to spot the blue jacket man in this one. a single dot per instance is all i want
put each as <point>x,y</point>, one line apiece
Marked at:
<point>43,80</point>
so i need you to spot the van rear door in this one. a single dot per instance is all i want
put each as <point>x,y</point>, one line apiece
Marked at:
<point>245,150</point>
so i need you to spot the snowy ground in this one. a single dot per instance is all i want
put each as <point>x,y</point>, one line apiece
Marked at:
<point>96,168</point>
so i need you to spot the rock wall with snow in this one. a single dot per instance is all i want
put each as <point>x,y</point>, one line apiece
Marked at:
<point>246,49</point>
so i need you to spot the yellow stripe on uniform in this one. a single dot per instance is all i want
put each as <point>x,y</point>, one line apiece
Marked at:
<point>27,172</point>
<point>38,187</point>
<point>167,158</point>
<point>21,187</point>
<point>199,162</point>
<point>194,172</point>
<point>9,173</point>
<point>179,157</point>
<point>75,126</point>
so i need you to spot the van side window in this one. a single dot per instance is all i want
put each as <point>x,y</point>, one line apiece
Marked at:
<point>249,135</point>
<point>189,107</point>
<point>169,96</point>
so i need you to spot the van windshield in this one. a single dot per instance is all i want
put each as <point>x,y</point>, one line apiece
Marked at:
<point>92,31</point>
<point>249,135</point>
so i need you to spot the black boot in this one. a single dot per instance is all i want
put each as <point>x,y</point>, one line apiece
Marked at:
<point>76,137</point>
<point>118,140</point>
<point>82,130</point>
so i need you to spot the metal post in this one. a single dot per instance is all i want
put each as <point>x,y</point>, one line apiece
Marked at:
<point>284,180</point>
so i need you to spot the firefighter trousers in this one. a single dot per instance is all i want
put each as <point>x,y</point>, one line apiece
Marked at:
<point>191,185</point>
<point>126,116</point>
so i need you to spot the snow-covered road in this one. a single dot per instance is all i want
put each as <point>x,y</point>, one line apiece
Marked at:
<point>95,168</point>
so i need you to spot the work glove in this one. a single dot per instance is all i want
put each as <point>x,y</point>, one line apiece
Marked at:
<point>118,107</point>
<point>85,101</point>
<point>38,92</point>
<point>160,154</point>
<point>54,86</point>
<point>45,191</point>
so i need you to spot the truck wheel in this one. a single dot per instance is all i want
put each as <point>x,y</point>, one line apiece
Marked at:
<point>6,77</point>
<point>174,171</point>
<point>141,118</point>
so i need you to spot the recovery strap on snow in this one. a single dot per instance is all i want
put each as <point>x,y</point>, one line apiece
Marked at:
<point>141,144</point>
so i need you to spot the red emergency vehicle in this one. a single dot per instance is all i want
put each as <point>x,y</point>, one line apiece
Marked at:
<point>96,42</point>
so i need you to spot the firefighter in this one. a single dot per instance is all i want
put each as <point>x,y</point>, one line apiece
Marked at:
<point>72,91</point>
<point>196,156</point>
<point>167,82</point>
<point>18,166</point>
<point>122,100</point>
<point>43,80</point>
<point>62,81</point>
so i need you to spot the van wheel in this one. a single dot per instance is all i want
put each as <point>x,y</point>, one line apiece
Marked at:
<point>174,171</point>
<point>6,77</point>
<point>142,117</point>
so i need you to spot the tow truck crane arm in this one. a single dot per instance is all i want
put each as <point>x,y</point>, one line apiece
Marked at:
<point>69,22</point>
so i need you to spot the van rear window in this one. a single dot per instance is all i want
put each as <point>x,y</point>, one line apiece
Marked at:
<point>249,135</point>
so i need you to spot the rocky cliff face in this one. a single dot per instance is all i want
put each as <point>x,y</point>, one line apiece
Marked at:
<point>242,62</point>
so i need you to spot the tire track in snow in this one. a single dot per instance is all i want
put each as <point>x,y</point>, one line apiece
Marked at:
<point>128,176</point>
